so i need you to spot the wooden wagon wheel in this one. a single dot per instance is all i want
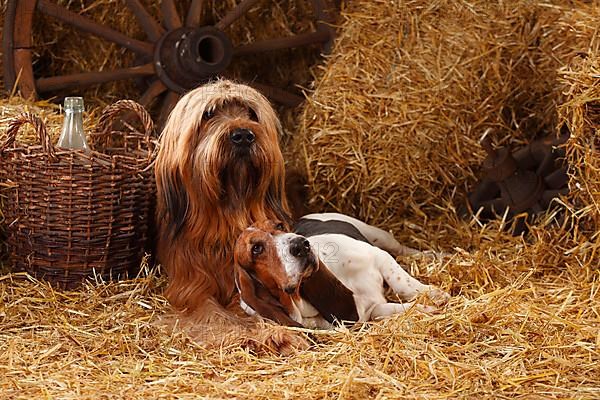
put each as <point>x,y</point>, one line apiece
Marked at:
<point>177,54</point>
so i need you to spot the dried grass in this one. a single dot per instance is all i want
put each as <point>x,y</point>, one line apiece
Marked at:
<point>580,81</point>
<point>391,132</point>
<point>524,320</point>
<point>509,333</point>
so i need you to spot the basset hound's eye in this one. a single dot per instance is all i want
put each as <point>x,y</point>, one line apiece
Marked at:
<point>280,226</point>
<point>208,114</point>
<point>257,249</point>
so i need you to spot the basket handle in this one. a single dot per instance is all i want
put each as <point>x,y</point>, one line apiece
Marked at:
<point>40,128</point>
<point>109,113</point>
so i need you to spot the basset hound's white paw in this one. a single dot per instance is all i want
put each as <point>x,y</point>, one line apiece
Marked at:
<point>426,309</point>
<point>438,296</point>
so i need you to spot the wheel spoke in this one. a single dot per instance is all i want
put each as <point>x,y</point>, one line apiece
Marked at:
<point>17,38</point>
<point>321,11</point>
<point>92,78</point>
<point>18,19</point>
<point>235,14</point>
<point>24,78</point>
<point>193,15</point>
<point>279,95</point>
<point>155,89</point>
<point>169,102</point>
<point>87,25</point>
<point>304,39</point>
<point>169,11</point>
<point>324,22</point>
<point>152,28</point>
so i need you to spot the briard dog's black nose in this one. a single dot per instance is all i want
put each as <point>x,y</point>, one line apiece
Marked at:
<point>242,137</point>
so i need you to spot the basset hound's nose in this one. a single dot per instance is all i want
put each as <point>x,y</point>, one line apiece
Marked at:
<point>299,247</point>
<point>242,137</point>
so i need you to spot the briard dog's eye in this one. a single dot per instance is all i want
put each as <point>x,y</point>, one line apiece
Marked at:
<point>208,114</point>
<point>253,115</point>
<point>257,249</point>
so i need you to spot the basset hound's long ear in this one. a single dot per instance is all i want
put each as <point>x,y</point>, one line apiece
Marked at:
<point>329,296</point>
<point>255,295</point>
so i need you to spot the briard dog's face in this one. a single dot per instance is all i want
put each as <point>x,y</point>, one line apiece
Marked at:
<point>220,148</point>
<point>235,150</point>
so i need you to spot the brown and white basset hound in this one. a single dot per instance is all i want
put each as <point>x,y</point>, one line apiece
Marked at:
<point>333,268</point>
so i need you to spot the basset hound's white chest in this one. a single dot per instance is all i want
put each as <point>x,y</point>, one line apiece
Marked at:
<point>355,264</point>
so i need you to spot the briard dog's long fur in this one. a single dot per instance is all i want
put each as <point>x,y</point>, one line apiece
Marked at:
<point>219,169</point>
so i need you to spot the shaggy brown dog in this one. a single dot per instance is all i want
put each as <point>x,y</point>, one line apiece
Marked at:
<point>219,169</point>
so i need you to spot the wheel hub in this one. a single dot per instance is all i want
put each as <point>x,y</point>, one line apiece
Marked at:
<point>185,57</point>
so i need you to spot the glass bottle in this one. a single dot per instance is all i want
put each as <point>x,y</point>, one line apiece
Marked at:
<point>72,135</point>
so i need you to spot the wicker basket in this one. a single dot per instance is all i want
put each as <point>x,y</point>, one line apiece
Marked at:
<point>71,215</point>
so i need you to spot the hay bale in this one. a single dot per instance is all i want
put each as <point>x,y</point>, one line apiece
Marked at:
<point>391,132</point>
<point>581,112</point>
